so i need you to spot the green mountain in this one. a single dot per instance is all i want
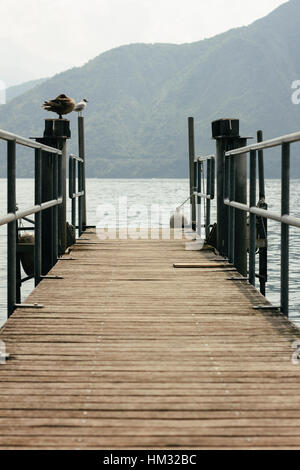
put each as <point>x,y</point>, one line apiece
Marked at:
<point>141,95</point>
<point>17,90</point>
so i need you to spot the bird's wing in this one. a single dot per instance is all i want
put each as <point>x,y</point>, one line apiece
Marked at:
<point>52,104</point>
<point>79,106</point>
<point>60,105</point>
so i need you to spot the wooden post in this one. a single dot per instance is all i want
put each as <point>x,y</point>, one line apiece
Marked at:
<point>223,130</point>
<point>226,133</point>
<point>56,133</point>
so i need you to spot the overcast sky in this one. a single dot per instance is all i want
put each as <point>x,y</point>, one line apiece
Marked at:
<point>39,38</point>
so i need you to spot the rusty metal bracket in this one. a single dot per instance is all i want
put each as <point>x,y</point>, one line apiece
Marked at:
<point>52,277</point>
<point>29,306</point>
<point>267,307</point>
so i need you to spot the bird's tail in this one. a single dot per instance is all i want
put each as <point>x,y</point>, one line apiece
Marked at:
<point>46,105</point>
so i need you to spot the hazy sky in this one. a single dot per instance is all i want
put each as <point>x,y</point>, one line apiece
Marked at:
<point>39,38</point>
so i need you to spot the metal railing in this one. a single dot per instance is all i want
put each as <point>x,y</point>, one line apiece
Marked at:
<point>52,235</point>
<point>284,217</point>
<point>199,184</point>
<point>73,160</point>
<point>197,193</point>
<point>13,215</point>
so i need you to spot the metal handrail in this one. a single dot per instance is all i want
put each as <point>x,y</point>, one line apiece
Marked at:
<point>204,159</point>
<point>78,159</point>
<point>284,218</point>
<point>210,188</point>
<point>9,137</point>
<point>267,144</point>
<point>13,215</point>
<point>73,159</point>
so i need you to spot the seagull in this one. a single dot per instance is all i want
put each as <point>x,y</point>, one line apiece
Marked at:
<point>81,106</point>
<point>60,105</point>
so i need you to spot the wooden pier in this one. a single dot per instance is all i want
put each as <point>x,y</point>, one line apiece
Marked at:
<point>130,352</point>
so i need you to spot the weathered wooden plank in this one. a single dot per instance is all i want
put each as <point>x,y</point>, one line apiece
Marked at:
<point>146,442</point>
<point>161,415</point>
<point>132,353</point>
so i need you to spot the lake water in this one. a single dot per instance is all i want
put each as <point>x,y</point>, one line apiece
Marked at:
<point>149,195</point>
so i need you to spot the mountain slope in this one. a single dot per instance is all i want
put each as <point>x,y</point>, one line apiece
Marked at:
<point>141,95</point>
<point>17,90</point>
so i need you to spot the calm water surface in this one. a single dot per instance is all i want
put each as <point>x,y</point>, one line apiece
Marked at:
<point>169,193</point>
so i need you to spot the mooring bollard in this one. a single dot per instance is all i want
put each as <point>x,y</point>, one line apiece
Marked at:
<point>226,134</point>
<point>56,134</point>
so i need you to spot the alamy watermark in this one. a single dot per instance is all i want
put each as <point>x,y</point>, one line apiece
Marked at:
<point>3,354</point>
<point>141,222</point>
<point>296,94</point>
<point>2,92</point>
<point>296,353</point>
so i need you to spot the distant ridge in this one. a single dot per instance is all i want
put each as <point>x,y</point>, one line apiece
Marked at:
<point>18,90</point>
<point>141,95</point>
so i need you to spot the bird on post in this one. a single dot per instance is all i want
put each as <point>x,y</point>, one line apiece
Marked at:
<point>79,107</point>
<point>60,105</point>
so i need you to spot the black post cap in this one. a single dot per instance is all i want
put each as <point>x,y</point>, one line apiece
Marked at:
<point>57,128</point>
<point>226,128</point>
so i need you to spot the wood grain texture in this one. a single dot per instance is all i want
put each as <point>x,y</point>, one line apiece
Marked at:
<point>130,352</point>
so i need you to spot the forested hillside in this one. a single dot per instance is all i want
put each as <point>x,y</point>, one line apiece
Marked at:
<point>141,95</point>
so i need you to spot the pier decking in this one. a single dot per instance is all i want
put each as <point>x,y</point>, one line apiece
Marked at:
<point>130,352</point>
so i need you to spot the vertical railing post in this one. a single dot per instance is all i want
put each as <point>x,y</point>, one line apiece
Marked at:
<point>285,210</point>
<point>240,246</point>
<point>11,228</point>
<point>212,190</point>
<point>199,199</point>
<point>192,171</point>
<point>80,207</point>
<point>198,175</point>
<point>231,209</point>
<point>209,192</point>
<point>38,218</point>
<point>18,273</point>
<point>72,189</point>
<point>227,196</point>
<point>252,228</point>
<point>263,222</point>
<point>261,169</point>
<point>74,200</point>
<point>62,209</point>
<point>81,146</point>
<point>55,210</point>
<point>47,219</point>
